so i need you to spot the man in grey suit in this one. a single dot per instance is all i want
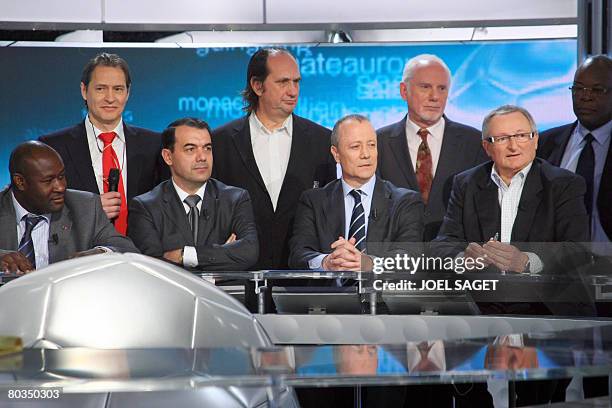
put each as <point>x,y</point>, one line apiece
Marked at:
<point>192,219</point>
<point>337,225</point>
<point>425,149</point>
<point>43,222</point>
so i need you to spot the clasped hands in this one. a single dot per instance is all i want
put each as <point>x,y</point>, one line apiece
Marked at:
<point>345,257</point>
<point>16,262</point>
<point>504,256</point>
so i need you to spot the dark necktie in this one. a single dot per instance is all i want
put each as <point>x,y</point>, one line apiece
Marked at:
<point>586,168</point>
<point>26,246</point>
<point>192,201</point>
<point>357,228</point>
<point>424,166</point>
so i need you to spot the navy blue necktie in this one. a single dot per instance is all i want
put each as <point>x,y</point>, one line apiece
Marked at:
<point>26,246</point>
<point>357,228</point>
<point>586,168</point>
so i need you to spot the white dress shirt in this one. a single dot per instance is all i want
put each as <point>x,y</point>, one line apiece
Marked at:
<point>95,152</point>
<point>40,233</point>
<point>190,255</point>
<point>271,149</point>
<point>434,141</point>
<point>509,197</point>
<point>367,192</point>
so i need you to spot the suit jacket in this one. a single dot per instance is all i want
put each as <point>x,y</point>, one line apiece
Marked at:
<point>158,223</point>
<point>395,222</point>
<point>310,161</point>
<point>551,209</point>
<point>461,150</point>
<point>146,167</point>
<point>79,226</point>
<point>552,147</point>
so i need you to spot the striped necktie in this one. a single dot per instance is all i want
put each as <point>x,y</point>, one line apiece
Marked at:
<point>357,228</point>
<point>26,246</point>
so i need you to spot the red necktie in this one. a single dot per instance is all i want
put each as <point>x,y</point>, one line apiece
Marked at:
<point>424,166</point>
<point>110,161</point>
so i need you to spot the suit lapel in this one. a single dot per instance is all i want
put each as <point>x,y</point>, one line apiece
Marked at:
<point>131,152</point>
<point>560,145</point>
<point>486,203</point>
<point>450,150</point>
<point>530,200</point>
<point>399,146</point>
<point>334,211</point>
<point>380,205</point>
<point>208,212</point>
<point>242,140</point>
<point>175,211</point>
<point>60,227</point>
<point>300,144</point>
<point>78,150</point>
<point>8,237</point>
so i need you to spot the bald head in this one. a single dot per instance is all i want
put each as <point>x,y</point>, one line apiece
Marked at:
<point>37,177</point>
<point>592,92</point>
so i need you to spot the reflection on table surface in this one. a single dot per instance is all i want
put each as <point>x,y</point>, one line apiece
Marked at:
<point>514,356</point>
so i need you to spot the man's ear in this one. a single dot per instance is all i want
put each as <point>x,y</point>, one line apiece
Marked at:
<point>84,91</point>
<point>257,86</point>
<point>334,152</point>
<point>167,156</point>
<point>19,181</point>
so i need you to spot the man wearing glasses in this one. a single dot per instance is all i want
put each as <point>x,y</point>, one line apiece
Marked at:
<point>583,147</point>
<point>497,207</point>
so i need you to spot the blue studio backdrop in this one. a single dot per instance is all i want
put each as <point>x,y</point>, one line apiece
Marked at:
<point>40,85</point>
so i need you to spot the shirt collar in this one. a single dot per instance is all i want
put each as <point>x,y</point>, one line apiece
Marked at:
<point>601,134</point>
<point>287,125</point>
<point>367,189</point>
<point>435,130</point>
<point>183,194</point>
<point>93,131</point>
<point>520,175</point>
<point>20,212</point>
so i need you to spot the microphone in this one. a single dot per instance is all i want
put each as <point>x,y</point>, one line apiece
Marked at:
<point>205,213</point>
<point>54,239</point>
<point>113,179</point>
<point>374,214</point>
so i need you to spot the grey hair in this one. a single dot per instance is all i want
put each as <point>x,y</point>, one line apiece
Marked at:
<point>505,110</point>
<point>415,62</point>
<point>335,134</point>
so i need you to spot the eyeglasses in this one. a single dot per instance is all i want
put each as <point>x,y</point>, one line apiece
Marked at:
<point>595,91</point>
<point>519,137</point>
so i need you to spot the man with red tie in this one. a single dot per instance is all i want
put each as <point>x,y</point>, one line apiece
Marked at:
<point>103,142</point>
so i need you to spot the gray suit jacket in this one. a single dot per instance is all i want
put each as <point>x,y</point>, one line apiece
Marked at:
<point>461,150</point>
<point>395,223</point>
<point>79,226</point>
<point>158,223</point>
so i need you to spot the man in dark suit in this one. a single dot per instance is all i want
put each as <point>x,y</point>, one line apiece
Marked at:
<point>192,219</point>
<point>498,207</point>
<point>360,214</point>
<point>43,222</point>
<point>273,153</point>
<point>584,147</point>
<point>102,141</point>
<point>425,149</point>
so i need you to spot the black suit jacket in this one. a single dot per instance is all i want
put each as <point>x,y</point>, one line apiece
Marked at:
<point>310,161</point>
<point>551,210</point>
<point>552,148</point>
<point>395,223</point>
<point>461,150</point>
<point>158,223</point>
<point>145,165</point>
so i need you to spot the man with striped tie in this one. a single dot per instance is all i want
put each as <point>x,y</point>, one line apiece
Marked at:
<point>340,226</point>
<point>42,221</point>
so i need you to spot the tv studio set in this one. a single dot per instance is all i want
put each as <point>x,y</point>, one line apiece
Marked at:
<point>273,203</point>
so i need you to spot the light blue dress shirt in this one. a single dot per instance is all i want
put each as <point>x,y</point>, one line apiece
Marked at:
<point>601,145</point>
<point>40,233</point>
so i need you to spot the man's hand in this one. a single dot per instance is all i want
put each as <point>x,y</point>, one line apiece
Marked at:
<point>344,257</point>
<point>111,203</point>
<point>176,256</point>
<point>15,262</point>
<point>93,251</point>
<point>505,256</point>
<point>232,238</point>
<point>474,251</point>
